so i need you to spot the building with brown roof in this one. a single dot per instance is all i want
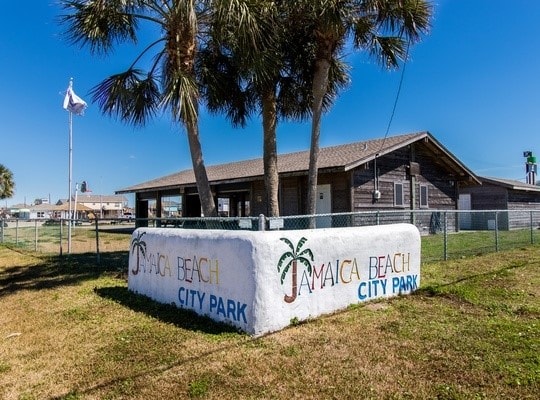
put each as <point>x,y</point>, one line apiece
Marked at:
<point>499,194</point>
<point>411,171</point>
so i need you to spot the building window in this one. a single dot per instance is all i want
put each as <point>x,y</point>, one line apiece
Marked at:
<point>41,214</point>
<point>423,196</point>
<point>399,200</point>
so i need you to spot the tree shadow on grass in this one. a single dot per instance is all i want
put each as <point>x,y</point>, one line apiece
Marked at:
<point>169,313</point>
<point>49,272</point>
<point>438,289</point>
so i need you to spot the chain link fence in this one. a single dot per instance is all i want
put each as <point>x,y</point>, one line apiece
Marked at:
<point>445,234</point>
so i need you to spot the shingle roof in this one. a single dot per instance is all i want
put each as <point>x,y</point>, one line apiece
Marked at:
<point>43,207</point>
<point>96,198</point>
<point>345,157</point>
<point>510,184</point>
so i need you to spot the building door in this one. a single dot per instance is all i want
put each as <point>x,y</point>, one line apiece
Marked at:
<point>324,206</point>
<point>464,204</point>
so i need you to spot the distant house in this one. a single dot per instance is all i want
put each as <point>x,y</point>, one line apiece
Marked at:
<point>104,206</point>
<point>498,194</point>
<point>19,211</point>
<point>42,211</point>
<point>411,171</point>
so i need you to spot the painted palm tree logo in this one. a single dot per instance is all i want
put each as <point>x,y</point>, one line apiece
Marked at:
<point>140,245</point>
<point>292,258</point>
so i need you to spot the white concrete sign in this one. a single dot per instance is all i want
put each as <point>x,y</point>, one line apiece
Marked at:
<point>261,281</point>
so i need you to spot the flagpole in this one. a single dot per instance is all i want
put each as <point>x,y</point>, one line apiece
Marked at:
<point>75,204</point>
<point>70,170</point>
<point>73,104</point>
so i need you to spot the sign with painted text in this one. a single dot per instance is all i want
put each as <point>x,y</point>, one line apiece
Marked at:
<point>260,281</point>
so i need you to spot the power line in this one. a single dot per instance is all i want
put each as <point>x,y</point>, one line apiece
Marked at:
<point>397,97</point>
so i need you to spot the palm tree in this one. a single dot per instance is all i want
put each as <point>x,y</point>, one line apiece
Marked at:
<point>241,82</point>
<point>171,81</point>
<point>7,185</point>
<point>383,28</point>
<point>295,255</point>
<point>274,80</point>
<point>139,245</point>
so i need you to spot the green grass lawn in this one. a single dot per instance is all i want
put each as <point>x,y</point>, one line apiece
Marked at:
<point>70,329</point>
<point>472,243</point>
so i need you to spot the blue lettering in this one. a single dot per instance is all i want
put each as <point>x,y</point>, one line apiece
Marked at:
<point>200,296</point>
<point>241,312</point>
<point>213,302</point>
<point>231,309</point>
<point>395,284</point>
<point>190,297</point>
<point>383,286</point>
<point>180,296</point>
<point>235,310</point>
<point>414,283</point>
<point>221,308</point>
<point>372,288</point>
<point>361,287</point>
<point>404,284</point>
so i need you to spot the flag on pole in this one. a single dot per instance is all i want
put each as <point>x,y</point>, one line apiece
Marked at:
<point>85,188</point>
<point>74,103</point>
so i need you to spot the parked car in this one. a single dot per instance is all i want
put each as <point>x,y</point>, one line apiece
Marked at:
<point>127,217</point>
<point>51,222</point>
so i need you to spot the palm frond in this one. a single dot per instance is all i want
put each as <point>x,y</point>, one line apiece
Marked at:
<point>389,51</point>
<point>223,85</point>
<point>305,262</point>
<point>143,249</point>
<point>284,273</point>
<point>246,19</point>
<point>7,185</point>
<point>283,257</point>
<point>405,18</point>
<point>300,244</point>
<point>99,24</point>
<point>338,79</point>
<point>129,96</point>
<point>306,252</point>
<point>289,243</point>
<point>180,95</point>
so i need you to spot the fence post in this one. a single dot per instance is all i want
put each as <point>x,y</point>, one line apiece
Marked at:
<point>17,231</point>
<point>445,236</point>
<point>97,242</point>
<point>35,236</point>
<point>262,222</point>
<point>2,228</point>
<point>377,218</point>
<point>496,231</point>
<point>61,230</point>
<point>532,229</point>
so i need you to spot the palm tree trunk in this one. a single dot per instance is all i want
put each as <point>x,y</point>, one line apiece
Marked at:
<point>271,174</point>
<point>136,271</point>
<point>294,278</point>
<point>319,88</point>
<point>203,185</point>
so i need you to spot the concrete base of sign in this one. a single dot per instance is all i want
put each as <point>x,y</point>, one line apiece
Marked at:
<point>261,281</point>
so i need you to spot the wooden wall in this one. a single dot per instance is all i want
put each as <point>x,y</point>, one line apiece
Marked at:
<point>395,168</point>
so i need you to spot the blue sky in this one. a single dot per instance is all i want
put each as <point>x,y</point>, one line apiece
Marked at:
<point>474,83</point>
